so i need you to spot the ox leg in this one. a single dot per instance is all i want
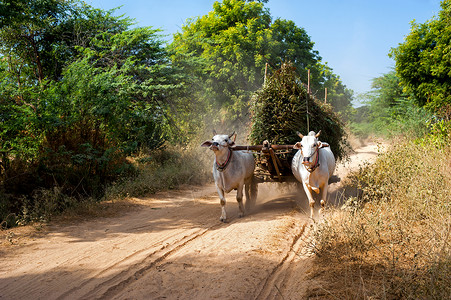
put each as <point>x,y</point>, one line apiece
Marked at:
<point>311,201</point>
<point>223,203</point>
<point>323,198</point>
<point>247,188</point>
<point>239,199</point>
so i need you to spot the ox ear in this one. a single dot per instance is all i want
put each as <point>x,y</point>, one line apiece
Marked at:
<point>297,146</point>
<point>317,135</point>
<point>300,134</point>
<point>206,144</point>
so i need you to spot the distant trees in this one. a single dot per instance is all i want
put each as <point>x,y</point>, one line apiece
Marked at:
<point>235,41</point>
<point>389,110</point>
<point>385,97</point>
<point>423,62</point>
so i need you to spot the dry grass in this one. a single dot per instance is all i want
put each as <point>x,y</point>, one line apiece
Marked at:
<point>393,241</point>
<point>156,171</point>
<point>163,170</point>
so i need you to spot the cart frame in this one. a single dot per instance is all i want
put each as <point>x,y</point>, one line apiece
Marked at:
<point>273,162</point>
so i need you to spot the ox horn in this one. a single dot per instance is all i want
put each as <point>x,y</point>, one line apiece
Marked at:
<point>233,134</point>
<point>214,132</point>
<point>300,134</point>
<point>317,135</point>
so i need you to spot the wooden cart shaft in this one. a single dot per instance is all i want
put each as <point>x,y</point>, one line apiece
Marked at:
<point>262,147</point>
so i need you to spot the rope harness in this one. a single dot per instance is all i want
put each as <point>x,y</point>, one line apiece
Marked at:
<point>222,167</point>
<point>316,165</point>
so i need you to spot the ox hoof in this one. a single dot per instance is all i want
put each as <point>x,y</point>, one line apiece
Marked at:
<point>241,215</point>
<point>223,220</point>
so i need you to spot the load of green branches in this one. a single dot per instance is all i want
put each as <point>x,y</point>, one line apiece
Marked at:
<point>279,110</point>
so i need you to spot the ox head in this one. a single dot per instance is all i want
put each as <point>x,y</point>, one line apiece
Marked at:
<point>220,142</point>
<point>308,146</point>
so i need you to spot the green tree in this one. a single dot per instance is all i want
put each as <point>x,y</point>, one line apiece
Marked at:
<point>232,41</point>
<point>338,95</point>
<point>80,90</point>
<point>386,97</point>
<point>389,111</point>
<point>423,63</point>
<point>292,43</point>
<point>235,41</point>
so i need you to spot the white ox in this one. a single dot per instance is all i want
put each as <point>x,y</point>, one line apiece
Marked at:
<point>313,165</point>
<point>232,170</point>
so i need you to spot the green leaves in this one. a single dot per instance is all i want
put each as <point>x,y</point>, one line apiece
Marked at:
<point>80,90</point>
<point>235,41</point>
<point>423,61</point>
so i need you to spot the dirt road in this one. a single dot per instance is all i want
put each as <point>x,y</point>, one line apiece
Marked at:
<point>172,246</point>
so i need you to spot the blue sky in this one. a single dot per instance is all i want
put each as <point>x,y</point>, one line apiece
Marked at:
<point>353,36</point>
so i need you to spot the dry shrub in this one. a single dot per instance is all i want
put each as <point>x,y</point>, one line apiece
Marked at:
<point>155,170</point>
<point>163,169</point>
<point>392,242</point>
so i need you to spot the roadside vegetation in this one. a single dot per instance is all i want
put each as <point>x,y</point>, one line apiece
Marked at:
<point>392,240</point>
<point>167,168</point>
<point>93,108</point>
<point>391,237</point>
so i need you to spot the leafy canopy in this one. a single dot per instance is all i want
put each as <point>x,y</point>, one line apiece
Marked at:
<point>235,41</point>
<point>423,61</point>
<point>80,90</point>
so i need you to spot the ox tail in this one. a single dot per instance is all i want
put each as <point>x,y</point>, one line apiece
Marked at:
<point>254,189</point>
<point>253,192</point>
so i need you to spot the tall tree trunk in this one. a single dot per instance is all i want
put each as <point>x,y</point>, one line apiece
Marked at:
<point>37,58</point>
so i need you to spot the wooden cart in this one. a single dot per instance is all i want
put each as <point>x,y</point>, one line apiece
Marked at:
<point>273,162</point>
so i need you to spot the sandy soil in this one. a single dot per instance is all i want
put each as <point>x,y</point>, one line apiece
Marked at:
<point>172,246</point>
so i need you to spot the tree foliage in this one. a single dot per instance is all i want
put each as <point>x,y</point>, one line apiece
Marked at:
<point>231,40</point>
<point>80,90</point>
<point>423,61</point>
<point>236,40</point>
<point>386,97</point>
<point>389,111</point>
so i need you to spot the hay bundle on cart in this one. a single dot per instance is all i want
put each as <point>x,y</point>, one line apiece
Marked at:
<point>281,108</point>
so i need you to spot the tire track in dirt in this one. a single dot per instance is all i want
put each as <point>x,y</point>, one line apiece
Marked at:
<point>42,266</point>
<point>272,284</point>
<point>173,247</point>
<point>119,282</point>
<point>280,284</point>
<point>132,272</point>
<point>115,284</point>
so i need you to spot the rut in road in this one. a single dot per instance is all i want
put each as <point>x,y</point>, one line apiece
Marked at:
<point>171,246</point>
<point>272,287</point>
<point>135,272</point>
<point>111,286</point>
